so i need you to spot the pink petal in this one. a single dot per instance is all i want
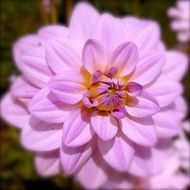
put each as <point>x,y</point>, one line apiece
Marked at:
<point>77,130</point>
<point>119,112</point>
<point>61,55</point>
<point>108,31</point>
<point>80,27</point>
<point>89,102</point>
<point>23,90</point>
<point>176,65</point>
<point>73,158</point>
<point>93,56</point>
<point>23,45</point>
<point>111,72</point>
<point>105,126</point>
<point>133,89</point>
<point>13,112</point>
<point>67,86</point>
<point>181,107</point>
<point>144,33</point>
<point>165,90</point>
<point>125,58</point>
<point>142,106</point>
<point>92,174</point>
<point>150,161</point>
<point>34,67</point>
<point>41,136</point>
<point>141,131</point>
<point>167,123</point>
<point>46,107</point>
<point>149,67</point>
<point>52,31</point>
<point>149,37</point>
<point>48,163</point>
<point>117,152</point>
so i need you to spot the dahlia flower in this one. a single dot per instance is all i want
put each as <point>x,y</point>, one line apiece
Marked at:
<point>104,87</point>
<point>181,19</point>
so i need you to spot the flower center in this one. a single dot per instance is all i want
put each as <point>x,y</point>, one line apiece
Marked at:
<point>108,92</point>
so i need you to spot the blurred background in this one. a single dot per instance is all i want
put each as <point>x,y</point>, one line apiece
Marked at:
<point>17,18</point>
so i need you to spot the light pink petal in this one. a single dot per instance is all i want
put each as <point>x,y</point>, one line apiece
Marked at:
<point>73,158</point>
<point>52,31</point>
<point>181,107</point>
<point>48,163</point>
<point>166,90</point>
<point>133,89</point>
<point>117,152</point>
<point>13,112</point>
<point>149,67</point>
<point>89,102</point>
<point>142,106</point>
<point>23,90</point>
<point>141,131</point>
<point>92,175</point>
<point>46,107</point>
<point>34,67</point>
<point>176,65</point>
<point>93,56</point>
<point>183,36</point>
<point>144,33</point>
<point>41,136</point>
<point>61,55</point>
<point>105,126</point>
<point>80,27</point>
<point>68,86</point>
<point>23,45</point>
<point>167,123</point>
<point>108,30</point>
<point>119,112</point>
<point>150,161</point>
<point>77,130</point>
<point>125,58</point>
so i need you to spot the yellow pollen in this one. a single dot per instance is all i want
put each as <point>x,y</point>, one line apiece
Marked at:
<point>112,91</point>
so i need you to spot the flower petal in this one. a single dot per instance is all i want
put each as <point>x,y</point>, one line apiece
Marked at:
<point>48,163</point>
<point>105,126</point>
<point>23,90</point>
<point>165,90</point>
<point>23,45</point>
<point>150,161</point>
<point>142,106</point>
<point>133,89</point>
<point>41,136</point>
<point>80,27</point>
<point>73,158</point>
<point>125,58</point>
<point>167,123</point>
<point>117,152</point>
<point>52,31</point>
<point>77,130</point>
<point>92,174</point>
<point>108,31</point>
<point>13,112</point>
<point>141,131</point>
<point>67,86</point>
<point>149,67</point>
<point>34,67</point>
<point>93,56</point>
<point>46,107</point>
<point>144,33</point>
<point>176,65</point>
<point>62,55</point>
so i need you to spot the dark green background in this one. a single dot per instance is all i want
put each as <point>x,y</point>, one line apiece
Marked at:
<point>20,17</point>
